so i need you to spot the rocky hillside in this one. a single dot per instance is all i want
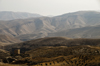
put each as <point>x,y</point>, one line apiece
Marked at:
<point>26,26</point>
<point>32,28</point>
<point>8,15</point>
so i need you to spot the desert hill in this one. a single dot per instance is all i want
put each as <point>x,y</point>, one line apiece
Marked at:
<point>25,27</point>
<point>84,32</point>
<point>32,44</point>
<point>6,40</point>
<point>9,15</point>
<point>77,19</point>
<point>53,41</point>
<point>33,28</point>
<point>50,52</point>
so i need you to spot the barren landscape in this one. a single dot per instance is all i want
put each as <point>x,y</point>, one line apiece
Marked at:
<point>71,39</point>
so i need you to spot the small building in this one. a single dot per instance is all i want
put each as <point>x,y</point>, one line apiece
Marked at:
<point>15,51</point>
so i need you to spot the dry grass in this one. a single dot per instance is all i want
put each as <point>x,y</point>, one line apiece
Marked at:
<point>79,60</point>
<point>59,57</point>
<point>2,64</point>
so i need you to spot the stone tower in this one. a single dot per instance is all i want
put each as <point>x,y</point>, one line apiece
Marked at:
<point>15,51</point>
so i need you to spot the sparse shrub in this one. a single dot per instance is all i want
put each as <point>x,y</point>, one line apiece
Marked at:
<point>46,64</point>
<point>53,62</point>
<point>41,64</point>
<point>50,63</point>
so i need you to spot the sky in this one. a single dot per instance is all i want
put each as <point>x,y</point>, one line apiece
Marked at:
<point>49,7</point>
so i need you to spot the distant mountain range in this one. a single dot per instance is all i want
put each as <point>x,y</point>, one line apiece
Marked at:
<point>82,24</point>
<point>8,15</point>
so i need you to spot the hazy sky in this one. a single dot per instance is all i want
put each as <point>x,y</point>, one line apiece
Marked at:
<point>49,7</point>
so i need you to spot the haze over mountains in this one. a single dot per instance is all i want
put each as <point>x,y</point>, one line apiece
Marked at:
<point>8,15</point>
<point>82,24</point>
